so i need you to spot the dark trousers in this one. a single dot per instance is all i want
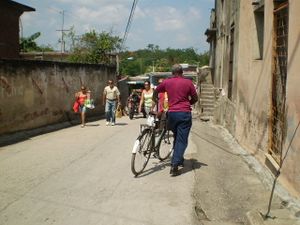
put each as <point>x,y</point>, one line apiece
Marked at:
<point>180,123</point>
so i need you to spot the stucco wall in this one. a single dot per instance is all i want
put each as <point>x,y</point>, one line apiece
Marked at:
<point>247,115</point>
<point>38,93</point>
<point>291,167</point>
<point>253,81</point>
<point>254,90</point>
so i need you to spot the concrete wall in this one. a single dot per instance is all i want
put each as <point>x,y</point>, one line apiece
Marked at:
<point>38,93</point>
<point>253,81</point>
<point>247,115</point>
<point>291,167</point>
<point>227,15</point>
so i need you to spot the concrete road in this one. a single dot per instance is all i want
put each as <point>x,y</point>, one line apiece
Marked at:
<point>82,176</point>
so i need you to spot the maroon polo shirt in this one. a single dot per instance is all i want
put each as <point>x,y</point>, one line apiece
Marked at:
<point>179,90</point>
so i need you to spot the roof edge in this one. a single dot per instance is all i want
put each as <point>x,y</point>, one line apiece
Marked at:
<point>20,6</point>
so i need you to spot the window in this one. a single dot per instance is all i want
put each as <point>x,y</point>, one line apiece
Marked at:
<point>259,17</point>
<point>280,56</point>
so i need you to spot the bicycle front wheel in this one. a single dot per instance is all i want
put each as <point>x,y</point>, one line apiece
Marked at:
<point>141,152</point>
<point>166,145</point>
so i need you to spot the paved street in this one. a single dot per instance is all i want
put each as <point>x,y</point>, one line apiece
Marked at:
<point>77,176</point>
<point>82,176</point>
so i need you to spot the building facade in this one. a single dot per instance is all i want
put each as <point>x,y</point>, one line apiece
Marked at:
<point>255,51</point>
<point>10,13</point>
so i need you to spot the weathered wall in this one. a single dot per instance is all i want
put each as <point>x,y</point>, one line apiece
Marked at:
<point>227,18</point>
<point>253,81</point>
<point>291,167</point>
<point>124,90</point>
<point>247,116</point>
<point>38,93</point>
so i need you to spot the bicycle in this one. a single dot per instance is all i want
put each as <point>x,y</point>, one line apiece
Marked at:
<point>154,138</point>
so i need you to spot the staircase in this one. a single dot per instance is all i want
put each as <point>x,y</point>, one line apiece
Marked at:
<point>207,101</point>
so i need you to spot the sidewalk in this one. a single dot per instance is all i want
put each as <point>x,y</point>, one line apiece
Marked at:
<point>229,188</point>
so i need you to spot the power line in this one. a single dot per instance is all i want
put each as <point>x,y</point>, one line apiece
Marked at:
<point>129,21</point>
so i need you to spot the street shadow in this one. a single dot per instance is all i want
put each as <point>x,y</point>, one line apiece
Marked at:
<point>121,124</point>
<point>136,117</point>
<point>92,125</point>
<point>189,165</point>
<point>158,166</point>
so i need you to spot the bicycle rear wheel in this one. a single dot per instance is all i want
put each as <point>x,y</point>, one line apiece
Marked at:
<point>165,147</point>
<point>141,152</point>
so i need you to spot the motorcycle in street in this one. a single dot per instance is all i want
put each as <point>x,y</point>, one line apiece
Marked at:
<point>133,106</point>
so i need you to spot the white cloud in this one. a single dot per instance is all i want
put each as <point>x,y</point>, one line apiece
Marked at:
<point>168,24</point>
<point>139,13</point>
<point>154,21</point>
<point>166,18</point>
<point>193,14</point>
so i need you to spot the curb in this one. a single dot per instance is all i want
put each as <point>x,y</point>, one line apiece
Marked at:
<point>278,217</point>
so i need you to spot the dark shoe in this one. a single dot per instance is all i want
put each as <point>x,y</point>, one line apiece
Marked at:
<point>181,164</point>
<point>174,171</point>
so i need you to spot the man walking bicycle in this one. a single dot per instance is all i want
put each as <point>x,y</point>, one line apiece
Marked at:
<point>181,95</point>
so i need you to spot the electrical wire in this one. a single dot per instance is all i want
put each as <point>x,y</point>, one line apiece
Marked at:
<point>129,22</point>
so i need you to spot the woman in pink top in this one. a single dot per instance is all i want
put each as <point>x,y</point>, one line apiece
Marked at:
<point>81,97</point>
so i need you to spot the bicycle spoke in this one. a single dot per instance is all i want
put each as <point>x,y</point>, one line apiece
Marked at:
<point>140,159</point>
<point>166,145</point>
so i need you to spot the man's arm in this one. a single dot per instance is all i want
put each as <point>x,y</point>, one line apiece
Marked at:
<point>194,99</point>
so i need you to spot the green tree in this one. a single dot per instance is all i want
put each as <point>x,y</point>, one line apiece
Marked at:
<point>93,47</point>
<point>28,44</point>
<point>71,38</point>
<point>152,57</point>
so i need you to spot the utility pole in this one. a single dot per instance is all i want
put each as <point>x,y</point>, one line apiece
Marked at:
<point>62,50</point>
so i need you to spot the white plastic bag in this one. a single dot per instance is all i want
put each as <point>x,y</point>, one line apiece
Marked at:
<point>89,103</point>
<point>150,121</point>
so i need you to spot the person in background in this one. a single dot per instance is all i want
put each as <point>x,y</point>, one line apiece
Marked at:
<point>111,98</point>
<point>146,98</point>
<point>81,97</point>
<point>181,95</point>
<point>162,99</point>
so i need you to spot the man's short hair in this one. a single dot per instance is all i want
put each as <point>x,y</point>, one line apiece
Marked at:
<point>177,69</point>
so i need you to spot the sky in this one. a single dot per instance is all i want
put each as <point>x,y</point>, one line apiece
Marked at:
<point>166,23</point>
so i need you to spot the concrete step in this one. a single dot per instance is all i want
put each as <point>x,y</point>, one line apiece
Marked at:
<point>207,105</point>
<point>219,223</point>
<point>207,100</point>
<point>208,110</point>
<point>206,114</point>
<point>207,89</point>
<point>207,86</point>
<point>205,94</point>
